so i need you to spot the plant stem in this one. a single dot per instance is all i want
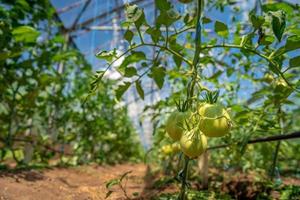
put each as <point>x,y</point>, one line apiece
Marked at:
<point>190,89</point>
<point>280,120</point>
<point>184,176</point>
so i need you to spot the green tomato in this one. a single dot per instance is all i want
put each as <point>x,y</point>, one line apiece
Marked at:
<point>175,124</point>
<point>167,149</point>
<point>268,78</point>
<point>193,143</point>
<point>214,120</point>
<point>185,1</point>
<point>176,147</point>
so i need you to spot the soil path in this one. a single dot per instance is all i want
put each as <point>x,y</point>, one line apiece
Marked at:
<point>78,183</point>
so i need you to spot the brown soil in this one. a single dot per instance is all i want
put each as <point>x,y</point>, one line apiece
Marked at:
<point>89,183</point>
<point>78,183</point>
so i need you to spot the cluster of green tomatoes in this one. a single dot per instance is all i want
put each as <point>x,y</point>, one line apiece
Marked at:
<point>190,130</point>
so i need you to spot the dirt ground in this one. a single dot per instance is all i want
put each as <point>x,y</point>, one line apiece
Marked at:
<point>89,183</point>
<point>78,183</point>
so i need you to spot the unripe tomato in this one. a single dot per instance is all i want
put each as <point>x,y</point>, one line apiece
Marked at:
<point>176,147</point>
<point>281,88</point>
<point>214,120</point>
<point>268,78</point>
<point>193,143</point>
<point>174,125</point>
<point>185,1</point>
<point>167,149</point>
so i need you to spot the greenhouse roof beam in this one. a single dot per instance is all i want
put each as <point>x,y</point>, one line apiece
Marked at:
<point>70,7</point>
<point>103,15</point>
<point>80,14</point>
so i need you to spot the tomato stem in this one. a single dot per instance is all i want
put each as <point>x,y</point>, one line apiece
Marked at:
<point>190,88</point>
<point>183,180</point>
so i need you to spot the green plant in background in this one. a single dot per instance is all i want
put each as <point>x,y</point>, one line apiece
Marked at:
<point>42,89</point>
<point>257,57</point>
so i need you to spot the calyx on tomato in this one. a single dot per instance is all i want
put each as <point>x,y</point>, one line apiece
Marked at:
<point>175,124</point>
<point>193,143</point>
<point>214,120</point>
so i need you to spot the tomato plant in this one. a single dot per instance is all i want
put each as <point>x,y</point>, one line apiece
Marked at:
<point>255,53</point>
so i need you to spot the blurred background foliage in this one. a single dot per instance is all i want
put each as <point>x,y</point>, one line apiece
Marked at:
<point>43,86</point>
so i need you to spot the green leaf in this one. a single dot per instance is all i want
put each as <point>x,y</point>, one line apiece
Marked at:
<point>154,33</point>
<point>278,23</point>
<point>257,21</point>
<point>215,75</point>
<point>292,43</point>
<point>267,40</point>
<point>64,55</point>
<point>158,75</point>
<point>206,20</point>
<point>107,55</point>
<point>177,60</point>
<point>187,19</point>
<point>139,89</point>
<point>25,34</point>
<point>167,18</point>
<point>135,15</point>
<point>134,57</point>
<point>295,62</point>
<point>221,28</point>
<point>278,6</point>
<point>112,182</point>
<point>97,78</point>
<point>122,89</point>
<point>163,5</point>
<point>128,35</point>
<point>4,55</point>
<point>130,71</point>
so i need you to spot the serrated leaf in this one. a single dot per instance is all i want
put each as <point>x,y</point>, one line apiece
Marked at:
<point>107,55</point>
<point>122,89</point>
<point>25,34</point>
<point>278,6</point>
<point>154,33</point>
<point>221,28</point>
<point>295,62</point>
<point>257,21</point>
<point>128,35</point>
<point>139,89</point>
<point>135,15</point>
<point>292,43</point>
<point>278,24</point>
<point>97,78</point>
<point>267,40</point>
<point>163,5</point>
<point>206,20</point>
<point>158,75</point>
<point>177,60</point>
<point>130,72</point>
<point>134,57</point>
<point>167,18</point>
